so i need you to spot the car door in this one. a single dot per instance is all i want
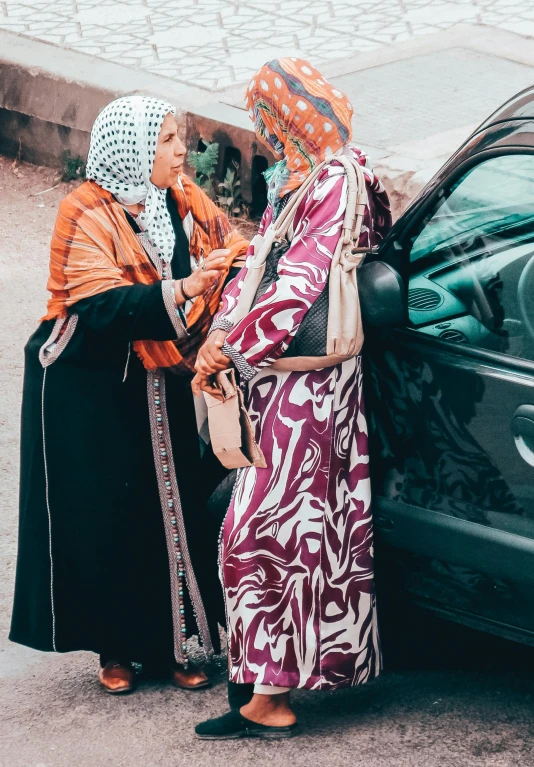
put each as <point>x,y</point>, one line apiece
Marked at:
<point>451,401</point>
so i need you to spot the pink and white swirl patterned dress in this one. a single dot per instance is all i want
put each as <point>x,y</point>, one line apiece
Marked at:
<point>297,545</point>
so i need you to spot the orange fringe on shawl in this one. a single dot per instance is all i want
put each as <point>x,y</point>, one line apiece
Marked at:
<point>94,249</point>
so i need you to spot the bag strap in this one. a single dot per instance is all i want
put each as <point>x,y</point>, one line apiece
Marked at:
<point>350,235</point>
<point>226,382</point>
<point>357,199</point>
<point>285,219</point>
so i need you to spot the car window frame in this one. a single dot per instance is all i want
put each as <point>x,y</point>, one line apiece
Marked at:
<point>397,248</point>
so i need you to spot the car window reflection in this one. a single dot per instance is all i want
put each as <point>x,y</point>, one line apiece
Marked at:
<point>469,254</point>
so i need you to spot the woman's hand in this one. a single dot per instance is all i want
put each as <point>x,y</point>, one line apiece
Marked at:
<point>205,276</point>
<point>202,383</point>
<point>210,359</point>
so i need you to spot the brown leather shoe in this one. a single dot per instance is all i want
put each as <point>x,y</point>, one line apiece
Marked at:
<point>189,679</point>
<point>117,678</point>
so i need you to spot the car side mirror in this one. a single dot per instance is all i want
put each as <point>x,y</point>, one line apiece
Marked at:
<point>382,295</point>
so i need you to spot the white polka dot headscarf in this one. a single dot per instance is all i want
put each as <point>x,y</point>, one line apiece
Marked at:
<point>121,157</point>
<point>301,116</point>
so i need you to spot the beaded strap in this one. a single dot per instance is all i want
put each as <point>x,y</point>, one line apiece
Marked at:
<point>221,323</point>
<point>180,566</point>
<point>174,312</point>
<point>246,371</point>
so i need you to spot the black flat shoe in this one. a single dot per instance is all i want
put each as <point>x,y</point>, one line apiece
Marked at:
<point>239,694</point>
<point>233,725</point>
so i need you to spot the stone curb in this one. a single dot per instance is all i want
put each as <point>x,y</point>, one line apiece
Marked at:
<point>49,97</point>
<point>45,112</point>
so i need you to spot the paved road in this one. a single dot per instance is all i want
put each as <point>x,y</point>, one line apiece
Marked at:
<point>478,711</point>
<point>215,44</point>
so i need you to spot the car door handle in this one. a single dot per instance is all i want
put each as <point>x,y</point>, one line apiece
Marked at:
<point>523,431</point>
<point>523,421</point>
<point>383,522</point>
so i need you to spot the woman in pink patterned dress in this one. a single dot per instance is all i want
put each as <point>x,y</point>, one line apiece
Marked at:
<point>296,553</point>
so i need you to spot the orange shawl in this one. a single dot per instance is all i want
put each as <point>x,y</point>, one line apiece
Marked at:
<point>95,249</point>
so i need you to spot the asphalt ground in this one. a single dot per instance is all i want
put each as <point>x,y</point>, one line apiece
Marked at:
<point>451,698</point>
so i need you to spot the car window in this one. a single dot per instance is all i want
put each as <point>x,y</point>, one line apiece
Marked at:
<point>472,259</point>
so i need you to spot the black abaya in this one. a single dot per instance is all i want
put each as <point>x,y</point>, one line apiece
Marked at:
<point>94,571</point>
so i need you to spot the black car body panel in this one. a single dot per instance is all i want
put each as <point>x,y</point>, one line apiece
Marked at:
<point>450,396</point>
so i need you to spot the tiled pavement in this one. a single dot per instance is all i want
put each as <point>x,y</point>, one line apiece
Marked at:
<point>215,44</point>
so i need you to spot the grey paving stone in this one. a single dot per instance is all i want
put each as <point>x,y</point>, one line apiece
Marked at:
<point>432,94</point>
<point>243,34</point>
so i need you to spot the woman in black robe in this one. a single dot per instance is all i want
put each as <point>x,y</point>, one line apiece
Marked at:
<point>116,552</point>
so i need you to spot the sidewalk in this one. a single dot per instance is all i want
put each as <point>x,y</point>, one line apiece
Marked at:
<point>420,73</point>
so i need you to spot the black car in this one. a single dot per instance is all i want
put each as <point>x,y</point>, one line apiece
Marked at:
<point>450,394</point>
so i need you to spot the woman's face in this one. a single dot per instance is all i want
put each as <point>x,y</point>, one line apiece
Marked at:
<point>269,147</point>
<point>170,154</point>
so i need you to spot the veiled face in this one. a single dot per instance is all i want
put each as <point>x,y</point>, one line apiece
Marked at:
<point>169,157</point>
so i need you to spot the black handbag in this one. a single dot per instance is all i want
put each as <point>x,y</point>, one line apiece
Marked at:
<point>310,338</point>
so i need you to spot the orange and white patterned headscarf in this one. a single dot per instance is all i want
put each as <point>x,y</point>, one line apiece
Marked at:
<point>301,116</point>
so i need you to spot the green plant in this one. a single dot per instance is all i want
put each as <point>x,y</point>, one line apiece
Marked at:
<point>72,166</point>
<point>205,164</point>
<point>230,198</point>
